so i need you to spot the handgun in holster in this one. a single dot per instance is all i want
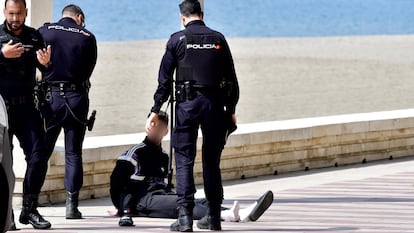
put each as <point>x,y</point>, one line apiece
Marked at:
<point>91,120</point>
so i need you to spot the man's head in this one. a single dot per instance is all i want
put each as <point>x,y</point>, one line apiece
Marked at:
<point>74,12</point>
<point>161,128</point>
<point>190,10</point>
<point>15,13</point>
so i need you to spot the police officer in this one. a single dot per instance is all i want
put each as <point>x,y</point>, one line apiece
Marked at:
<point>22,50</point>
<point>66,83</point>
<point>206,93</point>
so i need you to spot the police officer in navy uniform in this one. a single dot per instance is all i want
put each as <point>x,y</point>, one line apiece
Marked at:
<point>66,83</point>
<point>206,92</point>
<point>22,50</point>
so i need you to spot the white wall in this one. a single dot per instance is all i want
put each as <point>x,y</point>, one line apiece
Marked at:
<point>255,149</point>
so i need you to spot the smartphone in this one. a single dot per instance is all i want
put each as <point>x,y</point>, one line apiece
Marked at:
<point>27,47</point>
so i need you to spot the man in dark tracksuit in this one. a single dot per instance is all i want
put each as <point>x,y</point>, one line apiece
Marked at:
<point>139,171</point>
<point>138,185</point>
<point>206,93</point>
<point>66,83</point>
<point>22,50</point>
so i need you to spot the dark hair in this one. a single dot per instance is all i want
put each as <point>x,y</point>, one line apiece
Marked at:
<point>163,117</point>
<point>23,1</point>
<point>73,9</point>
<point>190,7</point>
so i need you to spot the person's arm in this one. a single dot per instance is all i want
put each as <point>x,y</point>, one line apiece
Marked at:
<point>165,79</point>
<point>230,77</point>
<point>165,165</point>
<point>120,179</point>
<point>91,56</point>
<point>43,53</point>
<point>160,167</point>
<point>43,57</point>
<point>136,160</point>
<point>10,50</point>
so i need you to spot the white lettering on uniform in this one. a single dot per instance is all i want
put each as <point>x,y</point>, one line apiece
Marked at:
<point>201,46</point>
<point>68,29</point>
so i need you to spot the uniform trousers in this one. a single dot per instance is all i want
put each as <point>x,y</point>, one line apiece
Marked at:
<point>25,123</point>
<point>58,116</point>
<point>207,113</point>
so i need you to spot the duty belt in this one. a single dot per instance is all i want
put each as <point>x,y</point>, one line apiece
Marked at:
<point>208,90</point>
<point>64,87</point>
<point>187,91</point>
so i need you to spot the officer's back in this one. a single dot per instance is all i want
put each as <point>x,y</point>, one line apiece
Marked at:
<point>74,51</point>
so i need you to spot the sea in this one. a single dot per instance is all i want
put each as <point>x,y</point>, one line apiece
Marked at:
<point>127,20</point>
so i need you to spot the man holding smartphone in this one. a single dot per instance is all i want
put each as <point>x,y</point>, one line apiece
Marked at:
<point>22,51</point>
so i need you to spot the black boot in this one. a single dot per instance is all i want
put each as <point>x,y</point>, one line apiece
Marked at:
<point>212,221</point>
<point>184,222</point>
<point>30,214</point>
<point>72,201</point>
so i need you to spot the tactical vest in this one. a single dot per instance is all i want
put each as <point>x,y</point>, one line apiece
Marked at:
<point>202,63</point>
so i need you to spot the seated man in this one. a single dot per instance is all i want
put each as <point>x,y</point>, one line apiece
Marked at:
<point>138,185</point>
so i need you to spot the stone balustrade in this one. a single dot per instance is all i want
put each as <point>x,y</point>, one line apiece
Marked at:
<point>253,150</point>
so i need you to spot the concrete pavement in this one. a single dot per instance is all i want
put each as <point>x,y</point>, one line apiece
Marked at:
<point>373,197</point>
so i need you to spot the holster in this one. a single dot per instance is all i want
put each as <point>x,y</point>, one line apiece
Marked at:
<point>42,99</point>
<point>39,94</point>
<point>184,91</point>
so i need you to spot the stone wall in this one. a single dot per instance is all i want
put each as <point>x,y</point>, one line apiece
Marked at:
<point>254,150</point>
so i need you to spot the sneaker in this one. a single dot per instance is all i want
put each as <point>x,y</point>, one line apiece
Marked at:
<point>126,221</point>
<point>253,212</point>
<point>232,214</point>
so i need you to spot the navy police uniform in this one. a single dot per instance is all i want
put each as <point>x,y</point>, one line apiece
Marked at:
<point>17,80</point>
<point>206,93</point>
<point>66,81</point>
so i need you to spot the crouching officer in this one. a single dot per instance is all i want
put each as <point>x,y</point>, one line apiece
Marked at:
<point>22,50</point>
<point>66,84</point>
<point>206,93</point>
